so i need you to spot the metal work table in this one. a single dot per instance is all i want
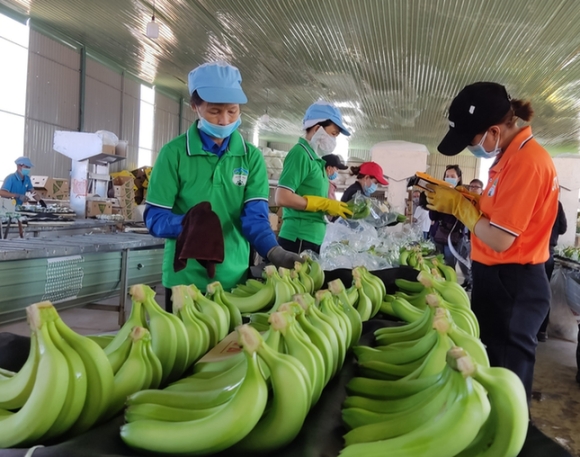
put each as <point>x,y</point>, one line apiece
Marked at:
<point>79,226</point>
<point>75,270</point>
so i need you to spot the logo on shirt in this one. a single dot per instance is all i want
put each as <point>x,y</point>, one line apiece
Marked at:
<point>491,191</point>
<point>240,176</point>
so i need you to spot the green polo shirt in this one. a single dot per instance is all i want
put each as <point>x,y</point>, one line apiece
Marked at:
<point>304,173</point>
<point>185,175</point>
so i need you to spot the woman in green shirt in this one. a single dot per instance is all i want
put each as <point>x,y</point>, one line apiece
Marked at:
<point>303,185</point>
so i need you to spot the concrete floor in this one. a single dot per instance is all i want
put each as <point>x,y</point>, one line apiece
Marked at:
<point>555,406</point>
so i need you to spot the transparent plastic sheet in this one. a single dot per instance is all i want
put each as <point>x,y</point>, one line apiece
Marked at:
<point>351,243</point>
<point>563,319</point>
<point>379,213</point>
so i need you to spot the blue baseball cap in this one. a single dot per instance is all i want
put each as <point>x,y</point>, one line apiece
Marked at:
<point>321,111</point>
<point>24,161</point>
<point>217,82</point>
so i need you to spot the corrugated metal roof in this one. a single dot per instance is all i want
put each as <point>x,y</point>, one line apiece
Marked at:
<point>392,66</point>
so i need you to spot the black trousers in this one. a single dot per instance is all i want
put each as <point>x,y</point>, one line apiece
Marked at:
<point>511,302</point>
<point>298,246</point>
<point>549,266</point>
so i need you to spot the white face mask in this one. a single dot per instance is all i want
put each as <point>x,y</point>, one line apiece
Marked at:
<point>322,141</point>
<point>479,151</point>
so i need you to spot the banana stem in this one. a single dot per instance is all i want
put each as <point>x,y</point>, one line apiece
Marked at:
<point>249,338</point>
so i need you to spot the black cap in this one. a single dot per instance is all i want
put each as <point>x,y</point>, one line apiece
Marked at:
<point>332,160</point>
<point>476,108</point>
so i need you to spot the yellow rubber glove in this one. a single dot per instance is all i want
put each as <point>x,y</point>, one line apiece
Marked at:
<point>451,201</point>
<point>328,206</point>
<point>469,195</point>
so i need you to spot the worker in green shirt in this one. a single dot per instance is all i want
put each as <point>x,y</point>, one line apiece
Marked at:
<point>303,185</point>
<point>212,163</point>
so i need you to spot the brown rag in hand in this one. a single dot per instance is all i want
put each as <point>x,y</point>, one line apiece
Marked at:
<point>201,239</point>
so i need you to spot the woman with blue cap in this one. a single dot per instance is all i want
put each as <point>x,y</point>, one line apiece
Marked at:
<point>212,163</point>
<point>17,184</point>
<point>303,185</point>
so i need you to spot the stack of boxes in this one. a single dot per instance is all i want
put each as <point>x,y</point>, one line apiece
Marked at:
<point>124,192</point>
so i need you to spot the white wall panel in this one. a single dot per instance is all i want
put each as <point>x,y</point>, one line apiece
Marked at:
<point>46,161</point>
<point>52,102</point>
<point>130,124</point>
<point>100,72</point>
<point>166,125</point>
<point>187,116</point>
<point>102,107</point>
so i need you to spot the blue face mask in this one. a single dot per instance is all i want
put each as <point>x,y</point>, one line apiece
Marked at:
<point>333,175</point>
<point>452,181</point>
<point>218,131</point>
<point>368,191</point>
<point>25,171</point>
<point>479,151</point>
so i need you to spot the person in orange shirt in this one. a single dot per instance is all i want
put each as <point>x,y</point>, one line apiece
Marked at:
<point>510,225</point>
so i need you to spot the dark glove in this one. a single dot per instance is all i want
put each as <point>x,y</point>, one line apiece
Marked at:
<point>282,258</point>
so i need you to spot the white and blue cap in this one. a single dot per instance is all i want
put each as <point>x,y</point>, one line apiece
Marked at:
<point>24,161</point>
<point>217,82</point>
<point>321,111</point>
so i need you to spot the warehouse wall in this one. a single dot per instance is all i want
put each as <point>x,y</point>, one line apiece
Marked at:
<point>187,116</point>
<point>53,91</point>
<point>166,126</point>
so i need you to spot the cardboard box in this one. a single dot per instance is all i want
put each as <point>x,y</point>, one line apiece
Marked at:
<point>141,176</point>
<point>51,188</point>
<point>96,207</point>
<point>124,193</point>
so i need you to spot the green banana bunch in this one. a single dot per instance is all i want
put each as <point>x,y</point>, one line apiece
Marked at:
<point>409,332</point>
<point>219,315</point>
<point>319,339</point>
<point>451,291</point>
<point>77,385</point>
<point>15,389</point>
<point>289,404</point>
<point>133,375</point>
<point>387,354</point>
<point>447,271</point>
<point>302,269</point>
<point>337,289</point>
<point>373,287</point>
<point>360,208</point>
<point>456,426</point>
<point>316,273</point>
<point>334,316</point>
<point>102,340</point>
<point>198,333</point>
<point>48,395</point>
<point>136,319</point>
<point>405,310</point>
<point>261,299</point>
<point>206,435</point>
<point>147,411</point>
<point>99,375</point>
<point>463,317</point>
<point>364,306</point>
<point>505,431</point>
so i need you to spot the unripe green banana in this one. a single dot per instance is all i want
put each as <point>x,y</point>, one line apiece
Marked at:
<point>133,374</point>
<point>216,293</point>
<point>472,345</point>
<point>289,404</point>
<point>364,305</point>
<point>99,376</point>
<point>182,360</point>
<point>77,386</point>
<point>118,356</point>
<point>316,273</point>
<point>220,316</point>
<point>15,390</point>
<point>323,324</point>
<point>412,331</point>
<point>149,411</point>
<point>412,287</point>
<point>163,334</point>
<point>509,413</point>
<point>451,291</point>
<point>156,367</point>
<point>382,389</point>
<point>206,321</point>
<point>389,371</point>
<point>377,427</point>
<point>405,311</point>
<point>136,319</point>
<point>197,332</point>
<point>305,278</point>
<point>453,430</point>
<point>418,350</point>
<point>230,377</point>
<point>48,395</point>
<point>103,340</point>
<point>337,288</point>
<point>210,369</point>
<point>206,435</point>
<point>283,291</point>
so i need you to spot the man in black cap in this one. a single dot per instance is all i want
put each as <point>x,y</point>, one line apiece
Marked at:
<point>510,223</point>
<point>333,164</point>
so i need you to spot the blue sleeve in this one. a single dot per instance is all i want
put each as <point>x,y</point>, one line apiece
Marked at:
<point>7,184</point>
<point>161,222</point>
<point>256,226</point>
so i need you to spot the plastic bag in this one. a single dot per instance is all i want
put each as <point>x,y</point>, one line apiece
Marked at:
<point>109,138</point>
<point>563,323</point>
<point>372,211</point>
